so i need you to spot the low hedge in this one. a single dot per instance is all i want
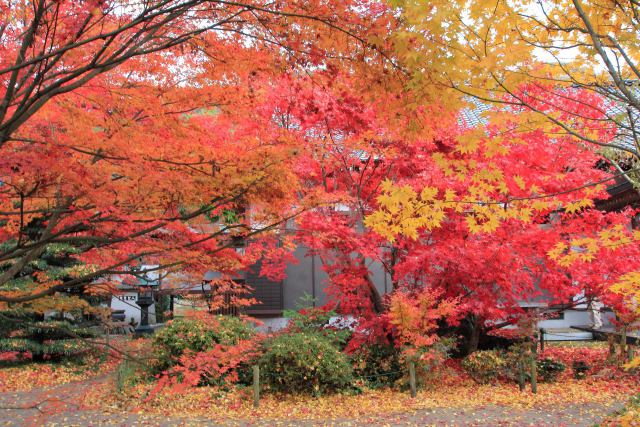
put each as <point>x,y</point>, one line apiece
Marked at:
<point>181,335</point>
<point>304,362</point>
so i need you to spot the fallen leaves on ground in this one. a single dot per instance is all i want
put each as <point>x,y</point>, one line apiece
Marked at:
<point>627,417</point>
<point>34,375</point>
<point>26,376</point>
<point>237,404</point>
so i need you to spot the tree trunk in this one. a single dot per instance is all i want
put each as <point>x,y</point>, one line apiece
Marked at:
<point>474,334</point>
<point>392,272</point>
<point>376,299</point>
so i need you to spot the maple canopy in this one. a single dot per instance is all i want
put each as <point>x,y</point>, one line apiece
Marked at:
<point>572,68</point>
<point>130,134</point>
<point>397,135</point>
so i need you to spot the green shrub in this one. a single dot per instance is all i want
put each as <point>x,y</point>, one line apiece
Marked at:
<point>517,362</point>
<point>304,362</point>
<point>549,369</point>
<point>484,366</point>
<point>430,362</point>
<point>379,365</point>
<point>580,369</point>
<point>488,366</point>
<point>180,335</point>
<point>318,320</point>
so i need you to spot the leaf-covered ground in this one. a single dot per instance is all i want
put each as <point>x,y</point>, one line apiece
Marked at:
<point>212,403</point>
<point>17,374</point>
<point>627,416</point>
<point>451,399</point>
<point>450,396</point>
<point>29,376</point>
<point>58,406</point>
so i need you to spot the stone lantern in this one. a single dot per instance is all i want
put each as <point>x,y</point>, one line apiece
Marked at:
<point>145,300</point>
<point>149,281</point>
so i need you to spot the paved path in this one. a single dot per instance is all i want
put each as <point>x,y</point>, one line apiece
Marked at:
<point>55,407</point>
<point>570,415</point>
<point>35,407</point>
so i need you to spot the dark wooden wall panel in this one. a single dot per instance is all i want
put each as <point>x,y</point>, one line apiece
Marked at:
<point>268,294</point>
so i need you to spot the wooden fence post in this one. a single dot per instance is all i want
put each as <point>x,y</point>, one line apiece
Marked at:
<point>612,346</point>
<point>541,340</point>
<point>256,386</point>
<point>521,375</point>
<point>534,372</point>
<point>412,378</point>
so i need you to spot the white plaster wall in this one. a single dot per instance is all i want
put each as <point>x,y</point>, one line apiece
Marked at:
<point>273,324</point>
<point>574,318</point>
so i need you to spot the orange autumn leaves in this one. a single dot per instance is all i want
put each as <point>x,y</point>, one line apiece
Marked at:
<point>123,162</point>
<point>415,316</point>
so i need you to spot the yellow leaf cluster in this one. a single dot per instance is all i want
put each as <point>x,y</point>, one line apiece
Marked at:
<point>586,248</point>
<point>628,286</point>
<point>583,249</point>
<point>577,206</point>
<point>403,211</point>
<point>617,237</point>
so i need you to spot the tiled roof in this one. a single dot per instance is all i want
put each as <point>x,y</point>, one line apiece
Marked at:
<point>624,114</point>
<point>617,110</point>
<point>472,117</point>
